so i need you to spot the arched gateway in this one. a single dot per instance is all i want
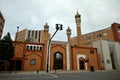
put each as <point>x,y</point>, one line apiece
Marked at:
<point>82,64</point>
<point>58,60</point>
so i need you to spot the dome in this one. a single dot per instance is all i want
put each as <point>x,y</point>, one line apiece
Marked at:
<point>77,15</point>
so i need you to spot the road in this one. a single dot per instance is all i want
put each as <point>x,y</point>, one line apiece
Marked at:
<point>110,75</point>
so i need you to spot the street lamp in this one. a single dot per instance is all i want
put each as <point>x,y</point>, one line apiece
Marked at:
<point>15,45</point>
<point>58,27</point>
<point>16,35</point>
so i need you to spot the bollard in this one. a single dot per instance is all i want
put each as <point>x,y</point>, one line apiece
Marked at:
<point>37,71</point>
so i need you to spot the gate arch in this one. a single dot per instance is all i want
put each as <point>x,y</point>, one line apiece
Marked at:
<point>82,64</point>
<point>58,61</point>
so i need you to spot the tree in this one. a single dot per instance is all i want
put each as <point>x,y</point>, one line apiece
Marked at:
<point>6,47</point>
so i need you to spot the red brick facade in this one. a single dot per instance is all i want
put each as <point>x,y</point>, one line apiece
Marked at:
<point>25,55</point>
<point>2,22</point>
<point>116,31</point>
<point>63,55</point>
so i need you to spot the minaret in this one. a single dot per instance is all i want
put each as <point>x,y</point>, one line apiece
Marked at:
<point>46,32</point>
<point>78,24</point>
<point>68,31</point>
<point>46,37</point>
<point>68,48</point>
<point>46,28</point>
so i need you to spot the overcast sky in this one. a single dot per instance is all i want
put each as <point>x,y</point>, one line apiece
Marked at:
<point>33,14</point>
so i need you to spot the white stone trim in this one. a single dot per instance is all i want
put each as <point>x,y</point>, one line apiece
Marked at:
<point>47,56</point>
<point>79,56</point>
<point>67,56</point>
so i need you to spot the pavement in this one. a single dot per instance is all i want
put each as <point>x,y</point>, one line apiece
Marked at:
<point>53,71</point>
<point>61,75</point>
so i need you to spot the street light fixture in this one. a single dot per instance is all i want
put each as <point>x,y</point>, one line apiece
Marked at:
<point>58,27</point>
<point>14,47</point>
<point>16,34</point>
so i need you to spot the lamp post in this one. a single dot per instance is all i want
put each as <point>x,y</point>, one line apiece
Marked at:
<point>58,27</point>
<point>14,47</point>
<point>16,35</point>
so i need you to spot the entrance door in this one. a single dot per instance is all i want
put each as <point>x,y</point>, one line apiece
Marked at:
<point>18,64</point>
<point>82,65</point>
<point>58,61</point>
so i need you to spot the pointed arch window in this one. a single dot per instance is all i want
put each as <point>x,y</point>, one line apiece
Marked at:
<point>32,61</point>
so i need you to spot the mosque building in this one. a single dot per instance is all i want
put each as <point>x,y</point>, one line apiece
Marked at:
<point>31,51</point>
<point>97,50</point>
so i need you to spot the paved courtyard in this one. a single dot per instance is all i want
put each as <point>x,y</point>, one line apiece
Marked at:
<point>83,75</point>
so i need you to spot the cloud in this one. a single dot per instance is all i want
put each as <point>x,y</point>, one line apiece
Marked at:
<point>33,14</point>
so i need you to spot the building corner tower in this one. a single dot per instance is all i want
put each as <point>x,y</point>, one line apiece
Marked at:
<point>78,25</point>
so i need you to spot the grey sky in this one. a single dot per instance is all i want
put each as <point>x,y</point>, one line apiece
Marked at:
<point>33,14</point>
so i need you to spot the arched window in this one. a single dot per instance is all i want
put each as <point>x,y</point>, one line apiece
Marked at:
<point>34,47</point>
<point>30,47</point>
<point>37,47</point>
<point>40,48</point>
<point>27,47</point>
<point>32,61</point>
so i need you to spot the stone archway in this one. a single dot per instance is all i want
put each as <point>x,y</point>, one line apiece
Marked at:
<point>58,60</point>
<point>81,64</point>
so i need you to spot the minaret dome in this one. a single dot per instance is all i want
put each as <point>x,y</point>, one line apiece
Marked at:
<point>78,19</point>
<point>77,15</point>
